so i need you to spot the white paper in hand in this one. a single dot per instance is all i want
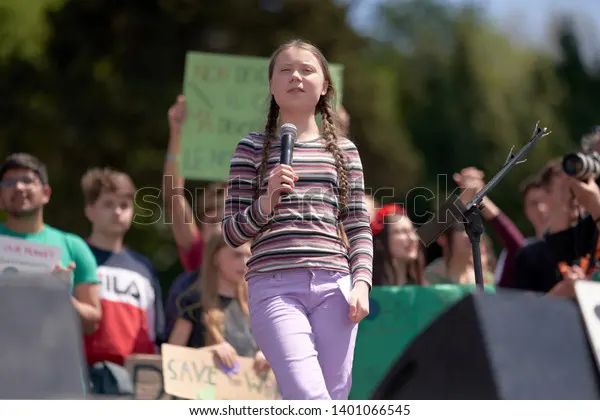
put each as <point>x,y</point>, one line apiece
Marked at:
<point>20,255</point>
<point>345,285</point>
<point>588,297</point>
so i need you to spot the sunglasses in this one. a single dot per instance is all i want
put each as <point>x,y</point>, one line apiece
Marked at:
<point>12,182</point>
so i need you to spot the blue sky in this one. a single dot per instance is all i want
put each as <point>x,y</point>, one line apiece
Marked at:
<point>526,20</point>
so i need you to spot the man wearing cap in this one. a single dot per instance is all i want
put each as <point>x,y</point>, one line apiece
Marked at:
<point>24,191</point>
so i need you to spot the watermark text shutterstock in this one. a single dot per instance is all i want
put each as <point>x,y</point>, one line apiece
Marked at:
<point>303,206</point>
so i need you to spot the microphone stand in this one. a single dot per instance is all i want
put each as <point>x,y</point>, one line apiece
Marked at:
<point>470,214</point>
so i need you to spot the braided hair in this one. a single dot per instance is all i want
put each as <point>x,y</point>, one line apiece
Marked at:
<point>330,130</point>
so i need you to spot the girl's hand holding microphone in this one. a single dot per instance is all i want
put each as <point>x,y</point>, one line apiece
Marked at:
<point>281,181</point>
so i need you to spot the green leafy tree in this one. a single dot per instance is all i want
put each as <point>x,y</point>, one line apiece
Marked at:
<point>467,95</point>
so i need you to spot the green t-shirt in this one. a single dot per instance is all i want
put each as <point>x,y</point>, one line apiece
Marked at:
<point>73,249</point>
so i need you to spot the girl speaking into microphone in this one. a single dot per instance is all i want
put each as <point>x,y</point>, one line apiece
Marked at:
<point>309,274</point>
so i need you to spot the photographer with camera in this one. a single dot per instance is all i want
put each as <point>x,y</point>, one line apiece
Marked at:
<point>576,250</point>
<point>582,164</point>
<point>535,268</point>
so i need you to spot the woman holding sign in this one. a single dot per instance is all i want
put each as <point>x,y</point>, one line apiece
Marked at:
<point>310,272</point>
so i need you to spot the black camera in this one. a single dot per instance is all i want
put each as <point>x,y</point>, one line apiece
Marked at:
<point>581,165</point>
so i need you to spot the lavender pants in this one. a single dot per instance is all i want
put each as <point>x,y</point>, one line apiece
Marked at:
<point>300,322</point>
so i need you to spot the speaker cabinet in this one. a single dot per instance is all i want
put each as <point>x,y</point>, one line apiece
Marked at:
<point>508,345</point>
<point>40,339</point>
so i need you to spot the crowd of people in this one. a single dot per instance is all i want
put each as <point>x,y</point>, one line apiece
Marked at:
<point>117,294</point>
<point>562,210</point>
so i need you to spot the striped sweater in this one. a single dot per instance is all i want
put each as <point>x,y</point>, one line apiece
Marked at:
<point>301,232</point>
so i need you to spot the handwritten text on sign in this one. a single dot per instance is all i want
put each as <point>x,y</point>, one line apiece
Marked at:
<point>227,98</point>
<point>191,374</point>
<point>20,255</point>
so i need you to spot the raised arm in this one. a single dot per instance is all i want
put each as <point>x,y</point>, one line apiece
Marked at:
<point>470,180</point>
<point>578,241</point>
<point>183,225</point>
<point>356,222</point>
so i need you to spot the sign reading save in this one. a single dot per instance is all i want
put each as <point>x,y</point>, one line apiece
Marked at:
<point>192,374</point>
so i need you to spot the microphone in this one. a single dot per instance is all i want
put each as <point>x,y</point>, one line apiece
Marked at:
<point>288,133</point>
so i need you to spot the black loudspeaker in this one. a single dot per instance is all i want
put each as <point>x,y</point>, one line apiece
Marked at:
<point>41,344</point>
<point>509,345</point>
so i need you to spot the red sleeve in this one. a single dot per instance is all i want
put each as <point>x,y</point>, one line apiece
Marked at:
<point>513,240</point>
<point>507,278</point>
<point>510,235</point>
<point>191,257</point>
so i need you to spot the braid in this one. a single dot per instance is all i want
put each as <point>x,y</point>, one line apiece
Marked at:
<point>330,136</point>
<point>270,128</point>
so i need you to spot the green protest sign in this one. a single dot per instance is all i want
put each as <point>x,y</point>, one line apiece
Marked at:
<point>397,316</point>
<point>227,98</point>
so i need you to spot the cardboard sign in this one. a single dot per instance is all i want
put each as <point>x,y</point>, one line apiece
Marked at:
<point>227,98</point>
<point>20,255</point>
<point>588,297</point>
<point>192,374</point>
<point>146,374</point>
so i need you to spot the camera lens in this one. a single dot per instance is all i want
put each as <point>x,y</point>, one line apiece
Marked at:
<point>573,164</point>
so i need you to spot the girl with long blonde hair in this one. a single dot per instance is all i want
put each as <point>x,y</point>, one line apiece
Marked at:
<point>214,310</point>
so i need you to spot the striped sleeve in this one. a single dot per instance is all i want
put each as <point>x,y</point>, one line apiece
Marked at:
<point>243,218</point>
<point>356,222</point>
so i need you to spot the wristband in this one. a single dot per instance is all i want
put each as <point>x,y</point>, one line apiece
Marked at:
<point>171,158</point>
